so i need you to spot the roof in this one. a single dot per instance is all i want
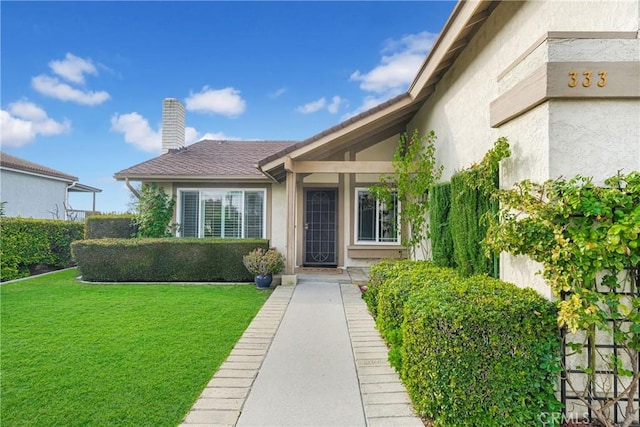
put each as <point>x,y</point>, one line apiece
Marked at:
<point>463,23</point>
<point>207,159</point>
<point>18,164</point>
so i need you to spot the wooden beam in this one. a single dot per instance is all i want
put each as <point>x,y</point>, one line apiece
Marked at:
<point>368,166</point>
<point>290,222</point>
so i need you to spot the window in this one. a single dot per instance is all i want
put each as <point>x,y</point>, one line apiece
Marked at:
<point>376,222</point>
<point>222,213</point>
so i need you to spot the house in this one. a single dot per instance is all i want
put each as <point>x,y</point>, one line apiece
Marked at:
<point>30,190</point>
<point>559,79</point>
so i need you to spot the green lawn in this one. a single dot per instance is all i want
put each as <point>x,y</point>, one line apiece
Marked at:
<point>105,355</point>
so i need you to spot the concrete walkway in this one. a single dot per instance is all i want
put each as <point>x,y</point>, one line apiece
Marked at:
<point>311,357</point>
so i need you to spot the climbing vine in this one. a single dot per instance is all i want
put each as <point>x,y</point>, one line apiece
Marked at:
<point>587,238</point>
<point>155,209</point>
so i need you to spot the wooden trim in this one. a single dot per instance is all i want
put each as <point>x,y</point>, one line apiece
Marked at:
<point>376,252</point>
<point>464,13</point>
<point>560,35</point>
<point>290,223</point>
<point>524,96</point>
<point>622,80</point>
<point>336,166</point>
<point>552,81</point>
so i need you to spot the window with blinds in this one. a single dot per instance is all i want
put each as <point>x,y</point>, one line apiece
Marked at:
<point>222,213</point>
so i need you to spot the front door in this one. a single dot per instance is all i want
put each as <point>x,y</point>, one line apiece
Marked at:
<point>320,226</point>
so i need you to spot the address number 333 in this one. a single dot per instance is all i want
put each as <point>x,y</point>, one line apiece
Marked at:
<point>586,79</point>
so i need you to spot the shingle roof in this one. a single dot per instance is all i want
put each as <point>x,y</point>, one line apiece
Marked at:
<point>17,163</point>
<point>208,158</point>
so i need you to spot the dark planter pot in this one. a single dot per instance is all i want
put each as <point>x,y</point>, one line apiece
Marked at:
<point>263,282</point>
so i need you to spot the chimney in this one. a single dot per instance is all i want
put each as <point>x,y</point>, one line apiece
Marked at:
<point>172,125</point>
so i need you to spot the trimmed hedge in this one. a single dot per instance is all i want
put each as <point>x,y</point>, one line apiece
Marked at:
<point>110,226</point>
<point>26,243</point>
<point>472,351</point>
<point>165,259</point>
<point>393,294</point>
<point>468,206</point>
<point>480,352</point>
<point>440,231</point>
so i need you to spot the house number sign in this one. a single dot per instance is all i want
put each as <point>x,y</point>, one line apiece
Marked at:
<point>586,79</point>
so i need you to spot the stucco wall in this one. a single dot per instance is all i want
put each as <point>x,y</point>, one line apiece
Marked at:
<point>278,238</point>
<point>31,196</point>
<point>595,137</point>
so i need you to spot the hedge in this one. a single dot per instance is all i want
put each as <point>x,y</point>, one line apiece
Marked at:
<point>27,243</point>
<point>480,352</point>
<point>393,294</point>
<point>165,259</point>
<point>468,206</point>
<point>110,226</point>
<point>440,231</point>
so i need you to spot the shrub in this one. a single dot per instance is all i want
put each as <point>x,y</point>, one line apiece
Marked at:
<point>165,259</point>
<point>26,243</point>
<point>380,273</point>
<point>480,352</point>
<point>110,226</point>
<point>394,292</point>
<point>468,205</point>
<point>441,240</point>
<point>155,209</point>
<point>261,262</point>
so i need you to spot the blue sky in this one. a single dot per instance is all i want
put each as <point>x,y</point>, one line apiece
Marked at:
<point>82,83</point>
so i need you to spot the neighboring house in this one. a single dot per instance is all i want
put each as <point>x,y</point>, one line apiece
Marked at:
<point>30,190</point>
<point>560,80</point>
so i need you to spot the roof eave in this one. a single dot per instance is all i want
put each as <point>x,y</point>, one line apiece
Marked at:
<point>190,178</point>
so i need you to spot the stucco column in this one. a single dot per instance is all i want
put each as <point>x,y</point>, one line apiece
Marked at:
<point>291,223</point>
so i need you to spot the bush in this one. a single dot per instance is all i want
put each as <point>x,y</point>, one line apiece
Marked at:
<point>401,280</point>
<point>165,259</point>
<point>380,273</point>
<point>480,352</point>
<point>441,240</point>
<point>26,243</point>
<point>110,226</point>
<point>468,205</point>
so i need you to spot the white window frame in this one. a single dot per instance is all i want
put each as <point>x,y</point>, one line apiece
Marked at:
<point>357,221</point>
<point>200,191</point>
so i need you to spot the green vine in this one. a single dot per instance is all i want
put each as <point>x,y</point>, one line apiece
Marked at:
<point>587,237</point>
<point>415,171</point>
<point>155,210</point>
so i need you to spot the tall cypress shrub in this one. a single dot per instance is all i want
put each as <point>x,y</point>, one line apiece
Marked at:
<point>441,240</point>
<point>468,205</point>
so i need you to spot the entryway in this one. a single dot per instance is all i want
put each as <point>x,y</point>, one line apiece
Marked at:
<point>320,227</point>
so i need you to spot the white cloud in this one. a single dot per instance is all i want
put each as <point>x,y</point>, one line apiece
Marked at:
<point>336,101</point>
<point>53,87</point>
<point>23,121</point>
<point>226,102</point>
<point>137,131</point>
<point>312,107</point>
<point>278,93</point>
<point>398,66</point>
<point>140,134</point>
<point>73,68</point>
<point>321,104</point>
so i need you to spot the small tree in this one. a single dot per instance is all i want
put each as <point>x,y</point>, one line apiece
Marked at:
<point>415,171</point>
<point>155,209</point>
<point>587,238</point>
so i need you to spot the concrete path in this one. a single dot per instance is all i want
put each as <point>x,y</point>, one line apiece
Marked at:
<point>311,357</point>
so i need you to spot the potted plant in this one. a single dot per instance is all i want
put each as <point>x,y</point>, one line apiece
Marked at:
<point>263,265</point>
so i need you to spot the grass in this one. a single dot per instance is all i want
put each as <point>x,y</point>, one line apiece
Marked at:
<point>107,355</point>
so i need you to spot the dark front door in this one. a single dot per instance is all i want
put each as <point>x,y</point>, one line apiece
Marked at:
<point>320,227</point>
